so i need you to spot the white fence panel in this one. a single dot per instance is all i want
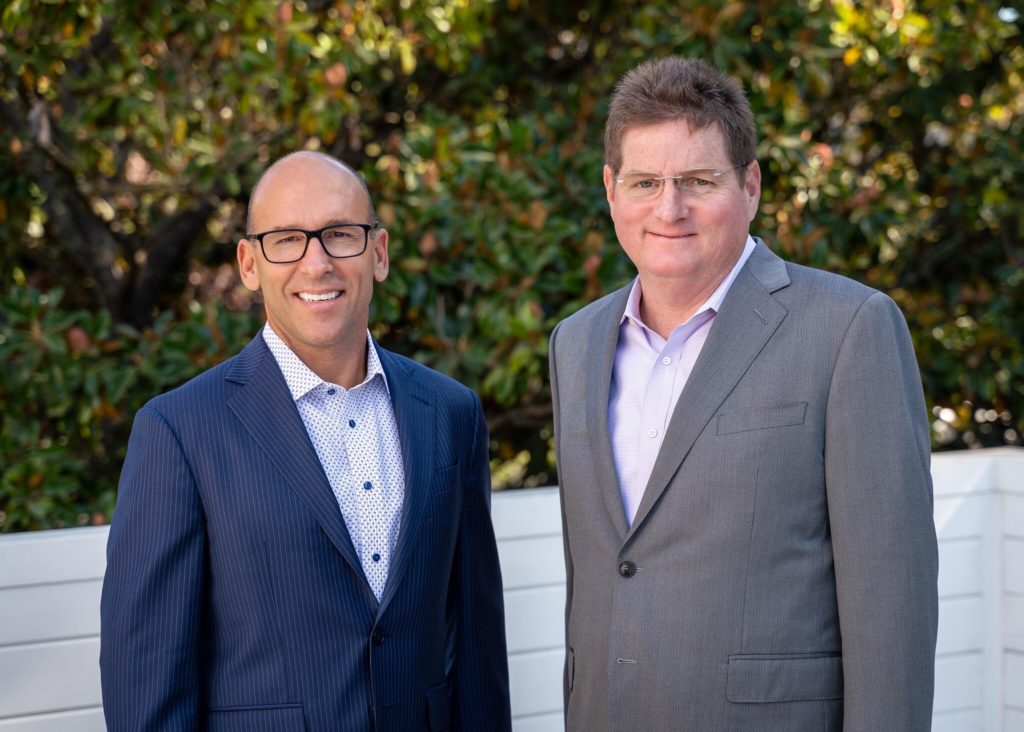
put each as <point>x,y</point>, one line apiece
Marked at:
<point>50,582</point>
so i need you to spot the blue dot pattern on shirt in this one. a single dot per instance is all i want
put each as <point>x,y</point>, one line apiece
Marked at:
<point>363,466</point>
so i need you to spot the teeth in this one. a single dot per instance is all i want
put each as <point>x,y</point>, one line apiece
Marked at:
<point>314,297</point>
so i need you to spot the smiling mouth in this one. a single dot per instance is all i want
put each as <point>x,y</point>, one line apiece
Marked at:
<point>319,296</point>
<point>670,235</point>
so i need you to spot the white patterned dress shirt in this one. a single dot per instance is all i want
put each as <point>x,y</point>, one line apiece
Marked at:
<point>647,378</point>
<point>355,436</point>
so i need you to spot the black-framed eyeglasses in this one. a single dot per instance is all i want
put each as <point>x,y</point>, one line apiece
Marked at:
<point>283,246</point>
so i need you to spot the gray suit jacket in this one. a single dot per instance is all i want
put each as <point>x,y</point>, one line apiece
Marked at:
<point>780,573</point>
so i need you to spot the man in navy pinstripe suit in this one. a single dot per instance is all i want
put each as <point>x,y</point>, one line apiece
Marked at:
<point>302,538</point>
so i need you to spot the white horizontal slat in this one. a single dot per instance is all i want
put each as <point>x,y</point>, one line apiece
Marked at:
<point>535,618</point>
<point>60,555</point>
<point>49,677</point>
<point>1013,566</point>
<point>535,682</point>
<point>1013,611</point>
<point>1013,681</point>
<point>962,472</point>
<point>531,562</point>
<point>49,612</point>
<point>79,720</point>
<point>957,683</point>
<point>958,517</point>
<point>960,625</point>
<point>963,721</point>
<point>528,512</point>
<point>960,567</point>
<point>542,723</point>
<point>1013,515</point>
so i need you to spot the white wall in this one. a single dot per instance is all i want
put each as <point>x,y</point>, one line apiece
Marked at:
<point>979,518</point>
<point>49,630</point>
<point>50,584</point>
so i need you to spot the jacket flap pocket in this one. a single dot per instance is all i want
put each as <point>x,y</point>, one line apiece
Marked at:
<point>283,718</point>
<point>784,678</point>
<point>762,419</point>
<point>438,708</point>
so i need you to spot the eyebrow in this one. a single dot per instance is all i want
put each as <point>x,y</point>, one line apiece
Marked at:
<point>688,170</point>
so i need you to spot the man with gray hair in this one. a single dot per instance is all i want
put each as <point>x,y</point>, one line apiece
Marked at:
<point>302,538</point>
<point>743,455</point>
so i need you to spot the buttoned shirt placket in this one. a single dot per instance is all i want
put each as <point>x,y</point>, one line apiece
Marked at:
<point>356,438</point>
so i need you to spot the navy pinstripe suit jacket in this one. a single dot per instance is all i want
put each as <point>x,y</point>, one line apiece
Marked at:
<point>234,598</point>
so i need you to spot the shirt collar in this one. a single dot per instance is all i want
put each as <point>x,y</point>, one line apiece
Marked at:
<point>714,301</point>
<point>300,378</point>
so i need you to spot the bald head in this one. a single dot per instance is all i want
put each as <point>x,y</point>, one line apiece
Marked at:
<point>312,163</point>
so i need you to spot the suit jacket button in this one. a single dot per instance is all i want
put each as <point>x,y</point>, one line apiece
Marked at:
<point>377,637</point>
<point>627,569</point>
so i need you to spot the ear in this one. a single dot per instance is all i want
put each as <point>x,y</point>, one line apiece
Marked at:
<point>609,185</point>
<point>752,188</point>
<point>379,249</point>
<point>247,255</point>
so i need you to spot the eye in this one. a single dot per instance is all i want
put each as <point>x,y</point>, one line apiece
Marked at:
<point>695,181</point>
<point>642,183</point>
<point>338,235</point>
<point>285,238</point>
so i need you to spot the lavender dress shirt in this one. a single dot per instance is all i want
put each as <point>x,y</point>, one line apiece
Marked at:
<point>647,378</point>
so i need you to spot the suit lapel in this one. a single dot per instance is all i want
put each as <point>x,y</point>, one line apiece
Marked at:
<point>415,419</point>
<point>604,337</point>
<point>748,318</point>
<point>266,409</point>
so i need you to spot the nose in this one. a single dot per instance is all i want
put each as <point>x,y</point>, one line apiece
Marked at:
<point>671,203</point>
<point>316,259</point>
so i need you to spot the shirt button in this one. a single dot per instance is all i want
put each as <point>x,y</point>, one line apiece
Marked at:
<point>351,423</point>
<point>667,360</point>
<point>652,432</point>
<point>332,392</point>
<point>367,485</point>
<point>376,557</point>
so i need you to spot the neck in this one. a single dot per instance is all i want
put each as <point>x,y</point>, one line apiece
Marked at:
<point>346,369</point>
<point>665,304</point>
<point>342,363</point>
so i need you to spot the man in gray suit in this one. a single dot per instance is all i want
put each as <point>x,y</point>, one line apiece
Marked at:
<point>743,456</point>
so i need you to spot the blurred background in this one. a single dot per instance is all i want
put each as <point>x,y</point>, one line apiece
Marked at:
<point>131,132</point>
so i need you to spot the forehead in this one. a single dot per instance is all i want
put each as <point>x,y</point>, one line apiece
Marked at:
<point>675,145</point>
<point>308,193</point>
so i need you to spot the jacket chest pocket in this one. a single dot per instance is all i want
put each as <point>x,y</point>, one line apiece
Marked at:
<point>787,415</point>
<point>445,480</point>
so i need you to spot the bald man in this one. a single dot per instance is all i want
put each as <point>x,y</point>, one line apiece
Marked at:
<point>302,538</point>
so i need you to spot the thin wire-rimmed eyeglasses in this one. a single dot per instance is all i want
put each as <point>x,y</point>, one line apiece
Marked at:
<point>341,241</point>
<point>691,182</point>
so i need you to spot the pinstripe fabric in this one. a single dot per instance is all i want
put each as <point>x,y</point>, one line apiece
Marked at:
<point>234,599</point>
<point>783,556</point>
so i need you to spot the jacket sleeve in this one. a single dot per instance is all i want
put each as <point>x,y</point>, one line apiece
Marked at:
<point>150,606</point>
<point>879,492</point>
<point>479,673</point>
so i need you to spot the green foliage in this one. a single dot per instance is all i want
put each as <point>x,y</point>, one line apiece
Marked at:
<point>891,147</point>
<point>72,383</point>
